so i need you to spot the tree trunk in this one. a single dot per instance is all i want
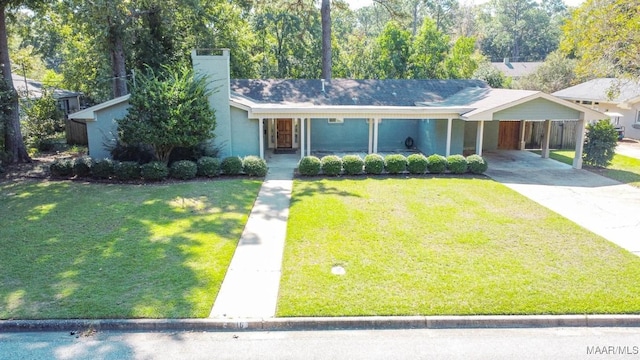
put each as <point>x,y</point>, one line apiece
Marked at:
<point>325,12</point>
<point>13,142</point>
<point>118,68</point>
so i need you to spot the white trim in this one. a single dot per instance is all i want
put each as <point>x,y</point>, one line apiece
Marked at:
<point>261,136</point>
<point>449,128</point>
<point>302,137</point>
<point>89,113</point>
<point>375,135</point>
<point>479,137</point>
<point>580,133</point>
<point>309,136</point>
<point>370,148</point>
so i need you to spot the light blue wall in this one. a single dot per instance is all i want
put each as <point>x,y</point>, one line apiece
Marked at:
<point>244,135</point>
<point>432,136</point>
<point>537,109</point>
<point>104,130</point>
<point>393,133</point>
<point>351,135</point>
<point>490,139</point>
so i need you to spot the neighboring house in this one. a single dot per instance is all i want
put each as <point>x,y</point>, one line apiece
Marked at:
<point>516,70</point>
<point>68,101</point>
<point>618,99</point>
<point>314,116</point>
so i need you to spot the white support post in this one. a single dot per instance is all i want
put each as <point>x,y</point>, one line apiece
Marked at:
<point>308,136</point>
<point>261,136</point>
<point>449,126</point>
<point>545,140</point>
<point>523,126</point>
<point>302,137</point>
<point>370,148</point>
<point>375,135</point>
<point>577,160</point>
<point>479,137</point>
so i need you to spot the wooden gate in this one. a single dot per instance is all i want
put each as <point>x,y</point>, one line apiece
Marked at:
<point>284,133</point>
<point>509,135</point>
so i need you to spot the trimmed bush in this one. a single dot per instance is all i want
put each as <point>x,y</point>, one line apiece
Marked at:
<point>395,163</point>
<point>183,169</point>
<point>103,169</point>
<point>600,143</point>
<point>417,163</point>
<point>477,164</point>
<point>352,164</point>
<point>61,168</point>
<point>231,165</point>
<point>208,166</point>
<point>437,164</point>
<point>309,166</point>
<point>154,171</point>
<point>457,164</point>
<point>331,165</point>
<point>254,166</point>
<point>82,166</point>
<point>127,170</point>
<point>373,164</point>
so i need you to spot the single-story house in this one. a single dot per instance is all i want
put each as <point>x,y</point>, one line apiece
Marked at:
<point>343,115</point>
<point>618,99</point>
<point>68,101</point>
<point>516,70</point>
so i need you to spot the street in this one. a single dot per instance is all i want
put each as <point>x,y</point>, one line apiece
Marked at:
<point>540,343</point>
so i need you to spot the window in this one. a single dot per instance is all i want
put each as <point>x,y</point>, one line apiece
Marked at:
<point>638,117</point>
<point>336,120</point>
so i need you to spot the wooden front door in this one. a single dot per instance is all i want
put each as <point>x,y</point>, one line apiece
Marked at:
<point>284,131</point>
<point>509,135</point>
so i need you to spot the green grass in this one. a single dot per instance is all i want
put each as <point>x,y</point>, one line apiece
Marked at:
<point>444,246</point>
<point>75,250</point>
<point>623,168</point>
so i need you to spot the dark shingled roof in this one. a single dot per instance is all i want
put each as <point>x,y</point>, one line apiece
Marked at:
<point>351,92</point>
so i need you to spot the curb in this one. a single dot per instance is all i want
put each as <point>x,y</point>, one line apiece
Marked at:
<point>326,323</point>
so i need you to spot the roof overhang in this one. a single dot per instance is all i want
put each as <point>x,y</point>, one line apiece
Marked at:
<point>89,114</point>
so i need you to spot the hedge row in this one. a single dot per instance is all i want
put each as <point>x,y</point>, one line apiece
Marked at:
<point>85,166</point>
<point>332,165</point>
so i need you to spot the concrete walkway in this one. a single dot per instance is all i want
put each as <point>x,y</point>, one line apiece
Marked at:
<point>601,205</point>
<point>629,147</point>
<point>250,287</point>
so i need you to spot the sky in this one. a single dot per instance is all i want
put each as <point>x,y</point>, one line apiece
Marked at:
<point>356,4</point>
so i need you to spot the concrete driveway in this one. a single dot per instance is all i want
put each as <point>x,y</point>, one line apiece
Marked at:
<point>629,147</point>
<point>601,205</point>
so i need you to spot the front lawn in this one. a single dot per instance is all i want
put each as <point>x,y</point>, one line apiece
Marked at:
<point>76,250</point>
<point>623,168</point>
<point>433,246</point>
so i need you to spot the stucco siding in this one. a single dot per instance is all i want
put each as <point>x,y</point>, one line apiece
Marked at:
<point>104,130</point>
<point>489,140</point>
<point>432,136</point>
<point>244,134</point>
<point>351,135</point>
<point>627,120</point>
<point>393,133</point>
<point>537,109</point>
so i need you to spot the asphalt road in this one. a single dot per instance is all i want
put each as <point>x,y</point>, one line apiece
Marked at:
<point>546,343</point>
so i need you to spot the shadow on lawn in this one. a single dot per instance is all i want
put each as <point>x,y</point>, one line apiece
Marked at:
<point>116,251</point>
<point>315,186</point>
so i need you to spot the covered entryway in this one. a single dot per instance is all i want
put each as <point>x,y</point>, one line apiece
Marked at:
<point>284,131</point>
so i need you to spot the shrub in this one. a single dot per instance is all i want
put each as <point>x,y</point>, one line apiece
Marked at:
<point>103,169</point>
<point>600,143</point>
<point>127,170</point>
<point>477,164</point>
<point>417,163</point>
<point>254,166</point>
<point>373,164</point>
<point>352,164</point>
<point>208,166</point>
<point>231,165</point>
<point>395,163</point>
<point>154,171</point>
<point>61,168</point>
<point>457,164</point>
<point>183,169</point>
<point>437,164</point>
<point>82,166</point>
<point>309,166</point>
<point>331,165</point>
<point>139,153</point>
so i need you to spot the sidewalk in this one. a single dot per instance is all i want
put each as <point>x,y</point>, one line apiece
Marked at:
<point>250,287</point>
